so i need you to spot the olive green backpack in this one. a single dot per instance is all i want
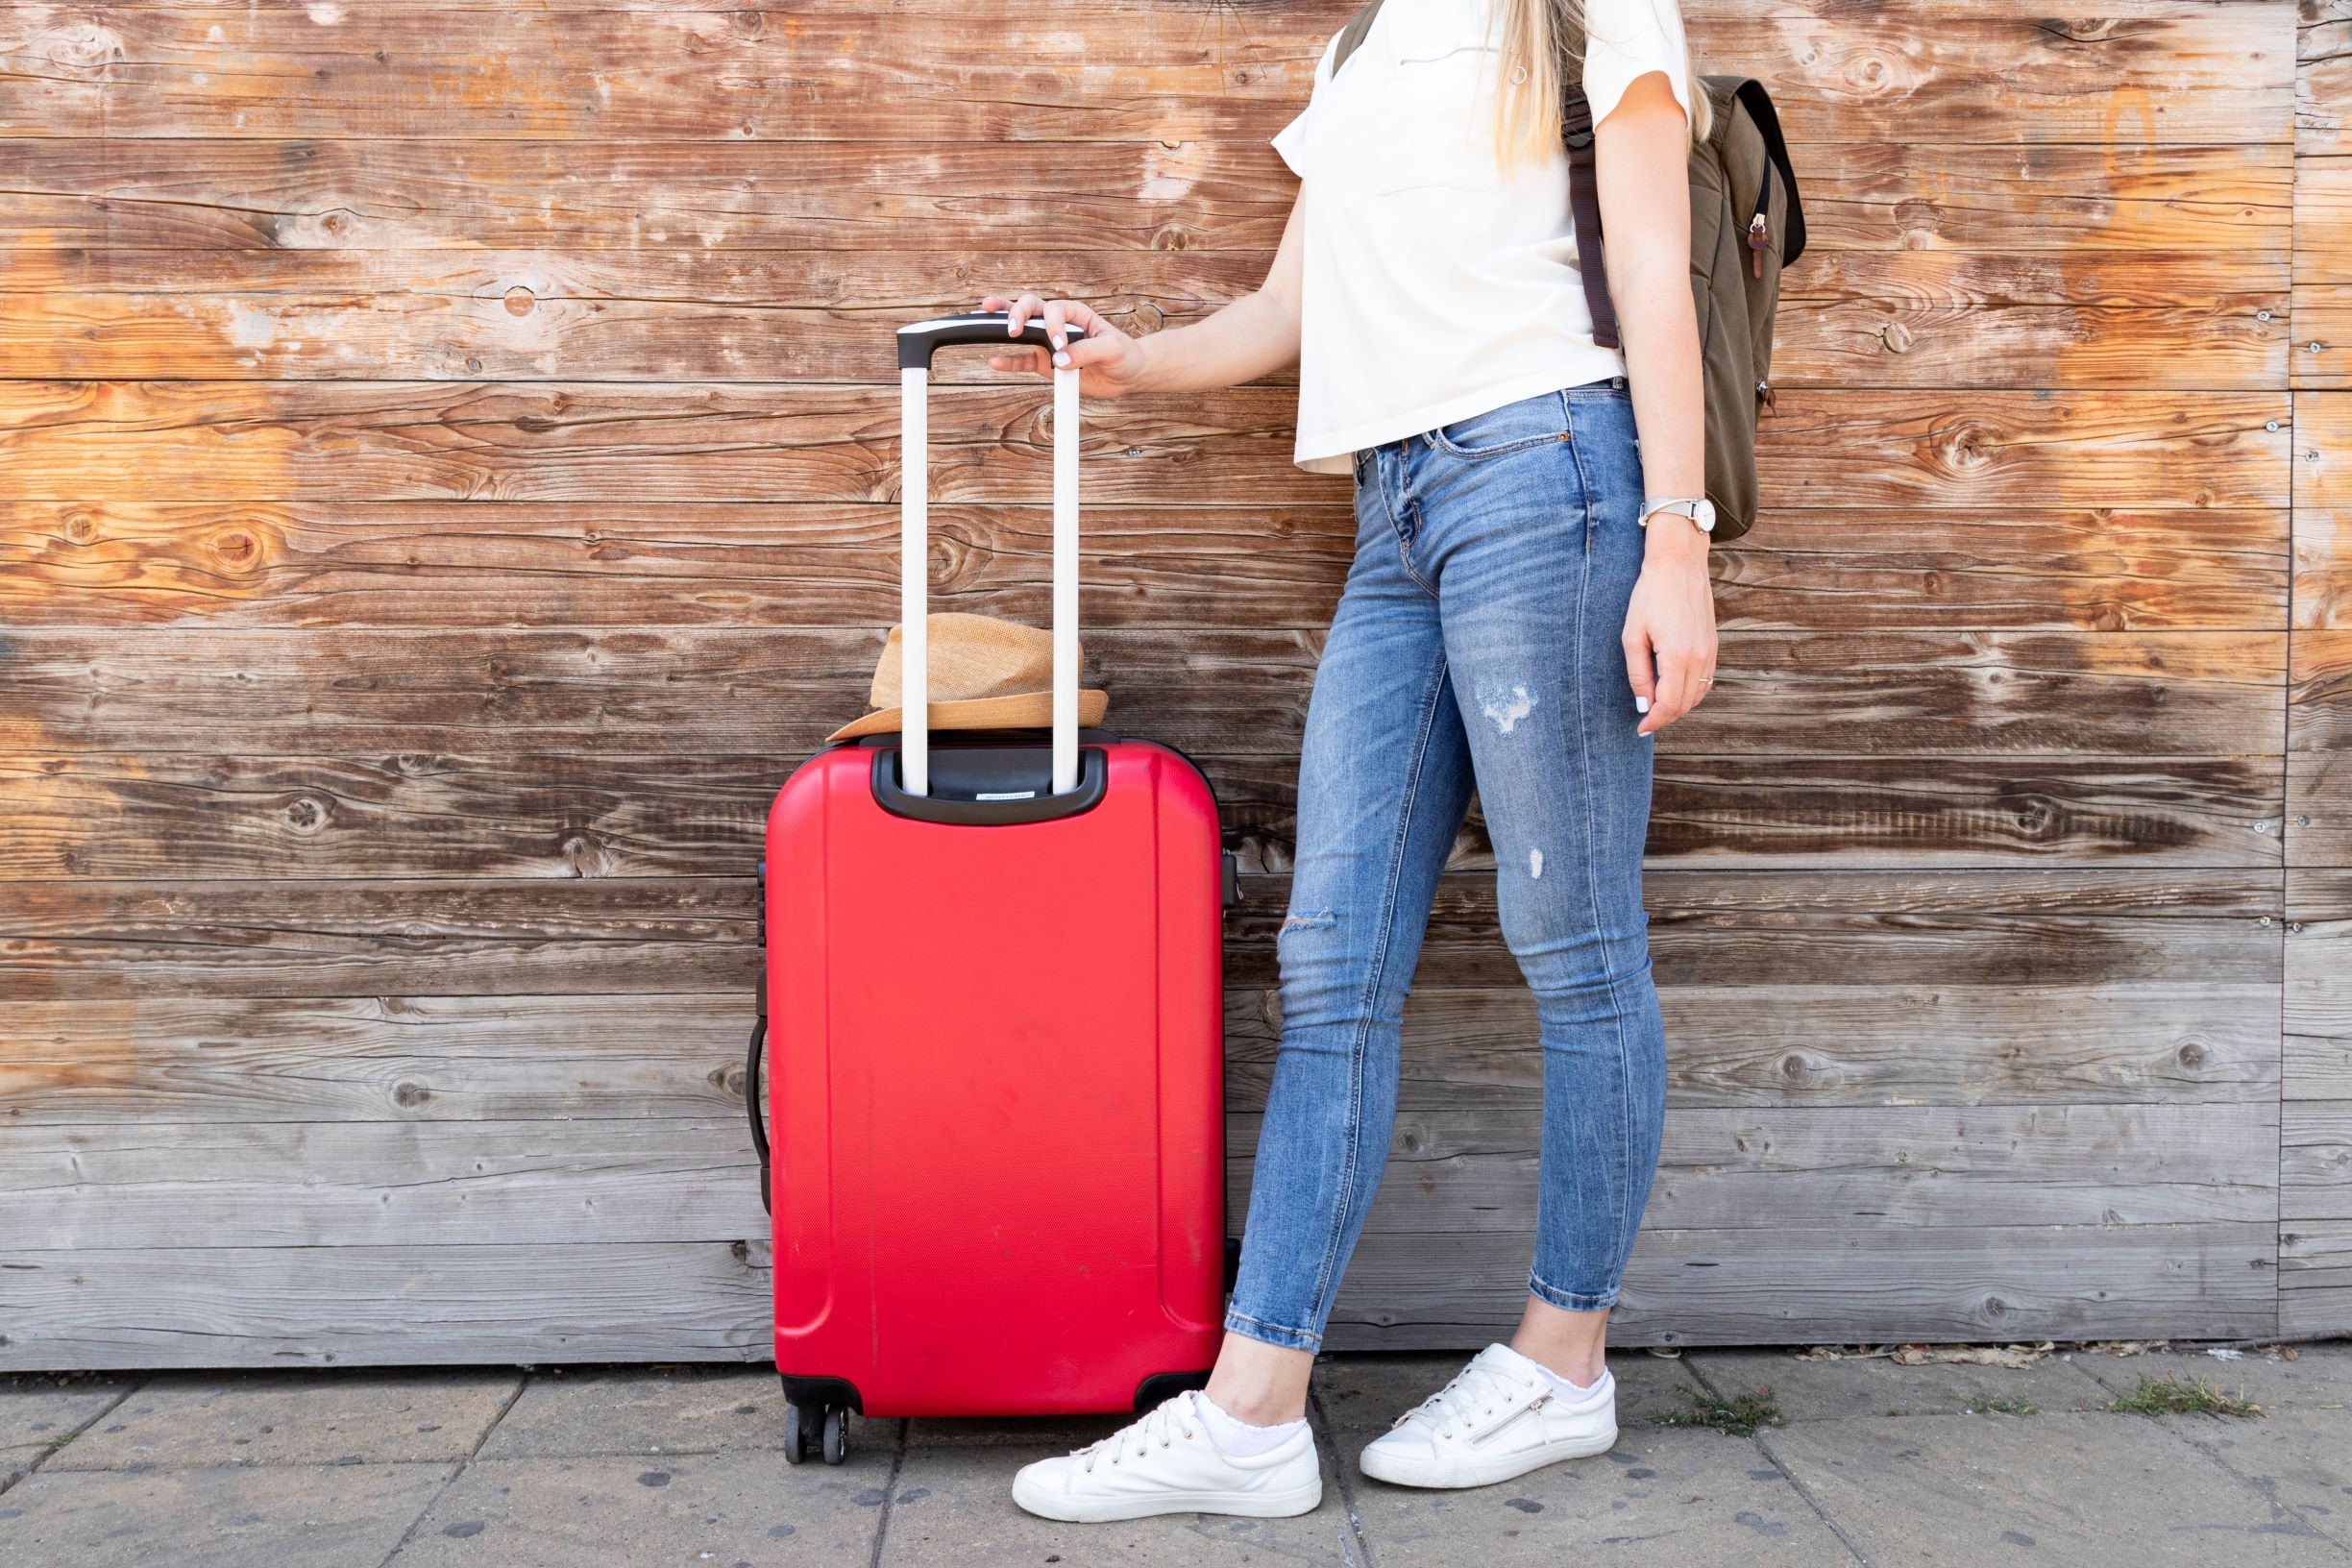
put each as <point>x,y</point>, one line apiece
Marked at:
<point>1746,225</point>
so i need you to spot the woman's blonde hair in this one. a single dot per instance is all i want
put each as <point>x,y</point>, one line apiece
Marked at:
<point>1528,97</point>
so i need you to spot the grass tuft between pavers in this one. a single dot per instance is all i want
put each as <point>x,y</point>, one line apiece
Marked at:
<point>1740,1415</point>
<point>2182,1396</point>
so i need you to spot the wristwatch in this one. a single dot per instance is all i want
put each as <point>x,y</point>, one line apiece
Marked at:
<point>1698,508</point>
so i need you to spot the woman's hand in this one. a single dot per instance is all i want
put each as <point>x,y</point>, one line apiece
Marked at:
<point>1670,624</point>
<point>1110,364</point>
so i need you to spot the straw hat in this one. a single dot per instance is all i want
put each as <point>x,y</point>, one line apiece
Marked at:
<point>986,674</point>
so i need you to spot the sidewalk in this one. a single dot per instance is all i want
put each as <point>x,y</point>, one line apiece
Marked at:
<point>1870,1462</point>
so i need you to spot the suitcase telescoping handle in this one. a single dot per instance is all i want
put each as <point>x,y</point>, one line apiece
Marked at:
<point>917,343</point>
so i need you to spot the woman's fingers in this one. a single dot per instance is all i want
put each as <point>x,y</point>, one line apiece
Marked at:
<point>1061,319</point>
<point>1678,688</point>
<point>1636,644</point>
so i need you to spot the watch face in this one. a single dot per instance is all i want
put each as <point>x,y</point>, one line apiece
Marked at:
<point>1703,514</point>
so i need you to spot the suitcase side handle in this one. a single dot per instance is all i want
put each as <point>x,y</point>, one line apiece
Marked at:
<point>916,345</point>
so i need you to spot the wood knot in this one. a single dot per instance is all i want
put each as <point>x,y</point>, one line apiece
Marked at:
<point>81,527</point>
<point>520,300</point>
<point>236,550</point>
<point>410,1094</point>
<point>2192,1055</point>
<point>308,815</point>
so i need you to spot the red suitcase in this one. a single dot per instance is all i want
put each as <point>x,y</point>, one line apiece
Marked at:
<point>996,1074</point>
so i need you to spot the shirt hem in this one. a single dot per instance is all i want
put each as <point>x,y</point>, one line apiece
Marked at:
<point>1335,452</point>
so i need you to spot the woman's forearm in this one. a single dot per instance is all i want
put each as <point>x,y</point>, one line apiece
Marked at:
<point>1253,336</point>
<point>1659,324</point>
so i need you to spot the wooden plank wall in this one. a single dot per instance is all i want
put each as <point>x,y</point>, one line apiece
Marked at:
<point>447,463</point>
<point>2316,1120</point>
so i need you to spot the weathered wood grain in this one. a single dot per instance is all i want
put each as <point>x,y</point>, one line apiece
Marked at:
<point>2316,1278</point>
<point>2316,1160</point>
<point>752,564</point>
<point>858,195</point>
<point>748,315</point>
<point>243,1306</point>
<point>758,563</point>
<point>360,938</point>
<point>2142,72</point>
<point>451,456</point>
<point>1925,318</point>
<point>2322,357</point>
<point>423,441</point>
<point>1751,1286</point>
<point>90,939</point>
<point>779,693</point>
<point>2323,511</point>
<point>532,814</point>
<point>365,1184</point>
<point>167,1059</point>
<point>379,1184</point>
<point>2317,1059</point>
<point>2319,704</point>
<point>223,1062</point>
<point>2324,75</point>
<point>1827,1044</point>
<point>1475,1170</point>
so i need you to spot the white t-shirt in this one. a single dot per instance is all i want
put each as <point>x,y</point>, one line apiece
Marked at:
<point>1437,287</point>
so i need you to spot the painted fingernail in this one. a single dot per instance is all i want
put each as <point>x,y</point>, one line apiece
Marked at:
<point>1641,704</point>
<point>1062,359</point>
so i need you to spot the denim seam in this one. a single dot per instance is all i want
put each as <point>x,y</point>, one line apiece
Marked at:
<point>1375,973</point>
<point>1570,1301</point>
<point>1592,842</point>
<point>1310,1341</point>
<point>1520,444</point>
<point>1396,525</point>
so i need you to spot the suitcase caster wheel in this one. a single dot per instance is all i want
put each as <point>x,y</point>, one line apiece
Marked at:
<point>836,1436</point>
<point>804,1434</point>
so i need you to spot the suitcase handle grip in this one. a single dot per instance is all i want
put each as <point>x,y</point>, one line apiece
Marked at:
<point>915,346</point>
<point>917,343</point>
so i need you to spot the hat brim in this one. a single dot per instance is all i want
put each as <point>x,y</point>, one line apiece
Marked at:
<point>1022,710</point>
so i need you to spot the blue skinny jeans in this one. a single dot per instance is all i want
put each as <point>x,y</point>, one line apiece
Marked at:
<point>1476,644</point>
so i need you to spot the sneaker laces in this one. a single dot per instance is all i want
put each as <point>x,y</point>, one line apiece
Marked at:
<point>1477,1390</point>
<point>1169,1421</point>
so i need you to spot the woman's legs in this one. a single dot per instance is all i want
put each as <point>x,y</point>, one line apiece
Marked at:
<point>1384,781</point>
<point>1538,550</point>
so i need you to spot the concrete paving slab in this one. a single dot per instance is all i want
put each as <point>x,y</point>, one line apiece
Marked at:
<point>2320,1377</point>
<point>335,1417</point>
<point>1828,1390</point>
<point>743,1509</point>
<point>2089,1490</point>
<point>2301,1458</point>
<point>1363,1395</point>
<point>652,1411</point>
<point>1686,1497</point>
<point>232,1516</point>
<point>1690,1498</point>
<point>953,1508</point>
<point>38,1412</point>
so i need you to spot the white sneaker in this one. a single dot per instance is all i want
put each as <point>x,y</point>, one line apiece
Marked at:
<point>1167,1463</point>
<point>1499,1417</point>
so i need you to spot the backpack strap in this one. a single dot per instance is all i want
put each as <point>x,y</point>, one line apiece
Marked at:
<point>1758,102</point>
<point>1353,34</point>
<point>1584,210</point>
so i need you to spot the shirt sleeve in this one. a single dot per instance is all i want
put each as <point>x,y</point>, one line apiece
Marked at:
<point>1627,40</point>
<point>1291,141</point>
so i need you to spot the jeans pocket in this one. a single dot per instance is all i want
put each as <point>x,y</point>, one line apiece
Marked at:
<point>1515,427</point>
